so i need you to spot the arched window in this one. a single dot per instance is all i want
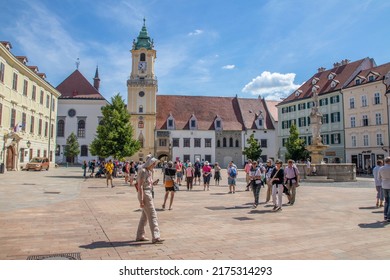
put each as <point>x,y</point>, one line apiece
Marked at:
<point>224,142</point>
<point>84,150</point>
<point>60,128</point>
<point>231,142</point>
<point>81,129</point>
<point>143,57</point>
<point>140,124</point>
<point>218,143</point>
<point>237,144</point>
<point>140,109</point>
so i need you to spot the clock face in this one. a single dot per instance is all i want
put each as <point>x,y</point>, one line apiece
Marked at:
<point>142,66</point>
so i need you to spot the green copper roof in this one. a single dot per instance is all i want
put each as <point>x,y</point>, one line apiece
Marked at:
<point>143,40</point>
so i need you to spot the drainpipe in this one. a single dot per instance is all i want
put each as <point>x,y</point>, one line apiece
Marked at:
<point>387,111</point>
<point>344,121</point>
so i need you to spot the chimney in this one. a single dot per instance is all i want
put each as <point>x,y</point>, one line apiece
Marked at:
<point>321,69</point>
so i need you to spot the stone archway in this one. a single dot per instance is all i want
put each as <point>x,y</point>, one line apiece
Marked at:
<point>10,162</point>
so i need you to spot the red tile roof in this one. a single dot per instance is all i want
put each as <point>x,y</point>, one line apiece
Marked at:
<point>344,73</point>
<point>77,86</point>
<point>378,71</point>
<point>233,111</point>
<point>250,108</point>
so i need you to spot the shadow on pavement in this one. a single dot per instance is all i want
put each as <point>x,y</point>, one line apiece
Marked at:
<point>368,208</point>
<point>377,224</point>
<point>105,244</point>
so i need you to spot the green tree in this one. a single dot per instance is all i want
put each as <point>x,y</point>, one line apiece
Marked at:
<point>72,147</point>
<point>295,146</point>
<point>253,151</point>
<point>115,134</point>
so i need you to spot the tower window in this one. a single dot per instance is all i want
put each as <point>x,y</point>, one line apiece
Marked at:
<point>143,56</point>
<point>140,109</point>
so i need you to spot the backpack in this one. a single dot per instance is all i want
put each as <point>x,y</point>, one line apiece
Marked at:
<point>233,172</point>
<point>124,168</point>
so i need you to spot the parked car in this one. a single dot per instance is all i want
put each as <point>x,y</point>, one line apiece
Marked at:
<point>38,163</point>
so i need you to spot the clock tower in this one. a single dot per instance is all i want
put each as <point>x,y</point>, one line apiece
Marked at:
<point>141,93</point>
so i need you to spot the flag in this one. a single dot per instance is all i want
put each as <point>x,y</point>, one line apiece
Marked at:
<point>18,127</point>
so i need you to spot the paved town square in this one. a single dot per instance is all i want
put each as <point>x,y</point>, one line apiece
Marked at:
<point>58,213</point>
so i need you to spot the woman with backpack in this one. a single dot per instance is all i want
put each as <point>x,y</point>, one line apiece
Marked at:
<point>232,175</point>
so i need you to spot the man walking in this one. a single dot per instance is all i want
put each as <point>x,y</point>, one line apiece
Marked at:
<point>268,170</point>
<point>384,176</point>
<point>378,184</point>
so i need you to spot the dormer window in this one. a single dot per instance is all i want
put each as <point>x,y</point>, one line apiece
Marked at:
<point>218,123</point>
<point>358,81</point>
<point>170,122</point>
<point>298,92</point>
<point>259,121</point>
<point>314,81</point>
<point>334,83</point>
<point>331,76</point>
<point>371,78</point>
<point>193,123</point>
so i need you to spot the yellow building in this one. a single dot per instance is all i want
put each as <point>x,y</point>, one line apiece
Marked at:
<point>141,93</point>
<point>28,111</point>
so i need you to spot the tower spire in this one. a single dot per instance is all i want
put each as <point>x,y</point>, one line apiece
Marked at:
<point>143,39</point>
<point>96,80</point>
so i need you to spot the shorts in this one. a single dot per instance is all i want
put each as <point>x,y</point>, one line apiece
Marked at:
<point>169,189</point>
<point>179,174</point>
<point>206,179</point>
<point>197,174</point>
<point>169,183</point>
<point>231,181</point>
<point>109,176</point>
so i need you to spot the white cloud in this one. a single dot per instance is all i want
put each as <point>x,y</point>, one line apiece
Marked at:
<point>272,85</point>
<point>229,67</point>
<point>195,33</point>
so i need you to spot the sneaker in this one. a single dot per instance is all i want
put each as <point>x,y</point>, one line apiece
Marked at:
<point>289,203</point>
<point>275,207</point>
<point>278,209</point>
<point>254,206</point>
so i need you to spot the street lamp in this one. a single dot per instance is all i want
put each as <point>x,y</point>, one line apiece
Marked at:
<point>28,144</point>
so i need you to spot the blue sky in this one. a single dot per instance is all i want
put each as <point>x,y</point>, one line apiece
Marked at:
<point>204,47</point>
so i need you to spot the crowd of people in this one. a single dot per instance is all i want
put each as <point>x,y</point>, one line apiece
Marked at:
<point>277,180</point>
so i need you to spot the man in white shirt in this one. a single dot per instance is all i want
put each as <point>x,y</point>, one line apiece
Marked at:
<point>384,176</point>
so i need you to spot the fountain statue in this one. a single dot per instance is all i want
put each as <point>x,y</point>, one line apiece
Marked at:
<point>316,148</point>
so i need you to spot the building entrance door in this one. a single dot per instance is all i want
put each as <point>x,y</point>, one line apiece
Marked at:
<point>10,163</point>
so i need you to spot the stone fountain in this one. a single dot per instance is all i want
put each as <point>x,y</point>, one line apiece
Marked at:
<point>330,172</point>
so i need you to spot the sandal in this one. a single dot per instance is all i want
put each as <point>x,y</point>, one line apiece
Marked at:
<point>158,241</point>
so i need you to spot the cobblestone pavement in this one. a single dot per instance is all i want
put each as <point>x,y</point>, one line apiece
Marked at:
<point>57,212</point>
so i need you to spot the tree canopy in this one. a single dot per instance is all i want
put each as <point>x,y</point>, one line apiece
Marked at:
<point>72,147</point>
<point>295,146</point>
<point>115,133</point>
<point>253,151</point>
